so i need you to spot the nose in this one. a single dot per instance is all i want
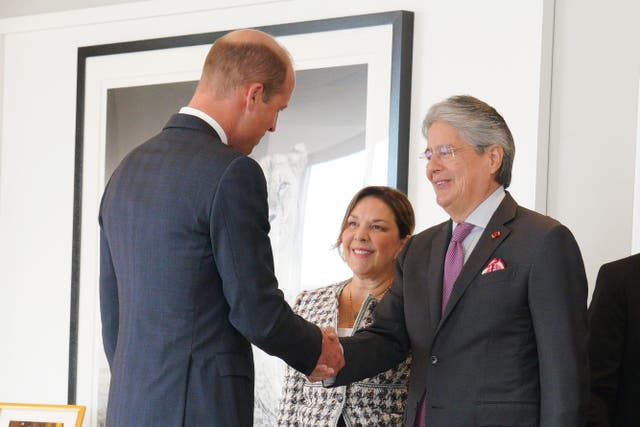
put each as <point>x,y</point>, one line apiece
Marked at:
<point>361,234</point>
<point>433,166</point>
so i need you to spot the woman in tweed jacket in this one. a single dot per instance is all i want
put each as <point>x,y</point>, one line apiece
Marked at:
<point>374,229</point>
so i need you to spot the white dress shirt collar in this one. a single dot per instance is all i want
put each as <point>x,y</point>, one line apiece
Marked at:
<point>482,214</point>
<point>207,118</point>
<point>480,218</point>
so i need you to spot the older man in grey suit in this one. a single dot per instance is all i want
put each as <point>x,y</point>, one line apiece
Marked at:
<point>491,303</point>
<point>186,275</point>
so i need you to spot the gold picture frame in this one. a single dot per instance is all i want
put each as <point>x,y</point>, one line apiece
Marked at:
<point>40,415</point>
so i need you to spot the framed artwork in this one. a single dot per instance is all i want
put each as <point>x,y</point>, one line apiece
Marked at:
<point>33,415</point>
<point>346,126</point>
<point>635,223</point>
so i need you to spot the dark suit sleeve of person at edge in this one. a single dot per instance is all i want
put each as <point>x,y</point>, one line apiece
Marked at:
<point>186,277</point>
<point>614,345</point>
<point>491,303</point>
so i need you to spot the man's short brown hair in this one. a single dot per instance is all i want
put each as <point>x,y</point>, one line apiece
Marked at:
<point>233,64</point>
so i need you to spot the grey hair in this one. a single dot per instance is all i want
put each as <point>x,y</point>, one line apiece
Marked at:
<point>479,124</point>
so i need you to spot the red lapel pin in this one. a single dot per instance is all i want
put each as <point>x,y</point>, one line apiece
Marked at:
<point>495,234</point>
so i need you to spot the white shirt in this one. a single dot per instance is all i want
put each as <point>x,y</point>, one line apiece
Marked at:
<point>480,218</point>
<point>345,332</point>
<point>207,118</point>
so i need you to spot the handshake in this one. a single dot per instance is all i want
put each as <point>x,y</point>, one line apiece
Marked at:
<point>331,359</point>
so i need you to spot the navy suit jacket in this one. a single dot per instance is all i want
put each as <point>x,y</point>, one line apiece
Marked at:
<point>614,345</point>
<point>187,283</point>
<point>511,346</point>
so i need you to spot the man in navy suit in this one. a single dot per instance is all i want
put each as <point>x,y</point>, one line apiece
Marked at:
<point>186,269</point>
<point>508,345</point>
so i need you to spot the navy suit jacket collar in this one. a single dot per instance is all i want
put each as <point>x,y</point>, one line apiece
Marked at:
<point>188,121</point>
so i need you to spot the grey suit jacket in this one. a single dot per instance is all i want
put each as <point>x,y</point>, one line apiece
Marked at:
<point>186,283</point>
<point>510,349</point>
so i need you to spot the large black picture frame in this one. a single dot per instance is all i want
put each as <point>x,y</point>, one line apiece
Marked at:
<point>401,25</point>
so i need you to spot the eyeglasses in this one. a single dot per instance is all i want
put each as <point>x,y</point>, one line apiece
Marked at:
<point>442,152</point>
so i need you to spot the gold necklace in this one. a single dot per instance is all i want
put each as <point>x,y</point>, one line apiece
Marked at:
<point>355,313</point>
<point>378,297</point>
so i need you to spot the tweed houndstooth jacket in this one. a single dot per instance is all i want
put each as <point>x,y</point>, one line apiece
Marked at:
<point>379,400</point>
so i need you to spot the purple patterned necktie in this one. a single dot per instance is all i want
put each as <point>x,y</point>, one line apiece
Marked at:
<point>454,260</point>
<point>452,266</point>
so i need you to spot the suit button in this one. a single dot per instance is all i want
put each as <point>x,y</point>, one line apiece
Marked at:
<point>434,360</point>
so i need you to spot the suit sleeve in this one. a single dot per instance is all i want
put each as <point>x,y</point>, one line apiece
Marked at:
<point>606,345</point>
<point>109,306</point>
<point>383,344</point>
<point>243,255</point>
<point>558,301</point>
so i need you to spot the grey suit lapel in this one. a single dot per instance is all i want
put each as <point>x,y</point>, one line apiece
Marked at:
<point>485,247</point>
<point>435,271</point>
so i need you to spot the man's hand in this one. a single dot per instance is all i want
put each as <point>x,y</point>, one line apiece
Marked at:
<point>331,359</point>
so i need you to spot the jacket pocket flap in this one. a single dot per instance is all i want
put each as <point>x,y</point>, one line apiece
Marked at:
<point>234,364</point>
<point>506,275</point>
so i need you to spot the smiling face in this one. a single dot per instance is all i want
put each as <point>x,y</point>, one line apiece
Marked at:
<point>465,180</point>
<point>370,240</point>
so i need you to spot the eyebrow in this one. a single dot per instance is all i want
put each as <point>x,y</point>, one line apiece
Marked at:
<point>375,220</point>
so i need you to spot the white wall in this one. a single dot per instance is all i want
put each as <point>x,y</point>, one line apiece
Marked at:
<point>10,8</point>
<point>594,113</point>
<point>498,50</point>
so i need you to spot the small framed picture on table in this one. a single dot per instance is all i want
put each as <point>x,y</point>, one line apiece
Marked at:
<point>37,415</point>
